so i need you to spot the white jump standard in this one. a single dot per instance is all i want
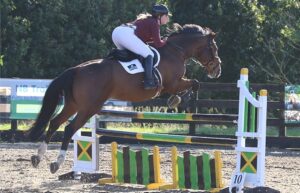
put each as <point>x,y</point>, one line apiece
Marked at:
<point>250,168</point>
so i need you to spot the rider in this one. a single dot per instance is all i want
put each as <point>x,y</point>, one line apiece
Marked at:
<point>135,36</point>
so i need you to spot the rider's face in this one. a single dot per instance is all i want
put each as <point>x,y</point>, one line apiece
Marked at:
<point>164,19</point>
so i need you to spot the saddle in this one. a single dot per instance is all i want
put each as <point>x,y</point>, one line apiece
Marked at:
<point>134,63</point>
<point>129,56</point>
<point>123,55</point>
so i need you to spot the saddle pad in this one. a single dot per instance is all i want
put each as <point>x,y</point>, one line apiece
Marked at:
<point>135,66</point>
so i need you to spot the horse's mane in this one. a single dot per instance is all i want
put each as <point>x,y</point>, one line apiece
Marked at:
<point>177,29</point>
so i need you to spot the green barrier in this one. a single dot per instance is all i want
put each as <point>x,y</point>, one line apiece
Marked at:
<point>25,109</point>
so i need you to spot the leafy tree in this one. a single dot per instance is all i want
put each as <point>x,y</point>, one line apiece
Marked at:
<point>234,21</point>
<point>14,29</point>
<point>279,60</point>
<point>41,38</point>
<point>259,35</point>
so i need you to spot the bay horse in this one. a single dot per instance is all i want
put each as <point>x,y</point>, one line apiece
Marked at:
<point>87,86</point>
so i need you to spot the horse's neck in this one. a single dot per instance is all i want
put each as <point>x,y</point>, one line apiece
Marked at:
<point>177,51</point>
<point>172,65</point>
<point>186,45</point>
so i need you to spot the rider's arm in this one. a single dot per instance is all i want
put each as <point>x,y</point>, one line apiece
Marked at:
<point>155,31</point>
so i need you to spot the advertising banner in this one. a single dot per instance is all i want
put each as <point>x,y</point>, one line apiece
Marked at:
<point>292,104</point>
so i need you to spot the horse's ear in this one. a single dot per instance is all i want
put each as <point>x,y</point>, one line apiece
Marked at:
<point>177,27</point>
<point>173,29</point>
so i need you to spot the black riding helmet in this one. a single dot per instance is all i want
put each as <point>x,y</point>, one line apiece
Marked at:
<point>159,10</point>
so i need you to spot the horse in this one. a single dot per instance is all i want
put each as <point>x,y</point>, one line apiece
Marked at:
<point>87,86</point>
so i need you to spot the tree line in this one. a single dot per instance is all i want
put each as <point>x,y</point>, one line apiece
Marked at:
<point>41,38</point>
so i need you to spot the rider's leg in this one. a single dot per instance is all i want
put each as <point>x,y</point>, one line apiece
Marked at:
<point>116,35</point>
<point>149,82</point>
<point>124,37</point>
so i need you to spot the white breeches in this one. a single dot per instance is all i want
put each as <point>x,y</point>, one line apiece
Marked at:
<point>124,38</point>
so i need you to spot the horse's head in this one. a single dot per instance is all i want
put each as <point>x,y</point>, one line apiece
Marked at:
<point>208,56</point>
<point>199,43</point>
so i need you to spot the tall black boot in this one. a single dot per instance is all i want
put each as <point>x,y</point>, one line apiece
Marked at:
<point>149,82</point>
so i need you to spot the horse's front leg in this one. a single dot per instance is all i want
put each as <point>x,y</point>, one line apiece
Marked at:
<point>185,84</point>
<point>182,91</point>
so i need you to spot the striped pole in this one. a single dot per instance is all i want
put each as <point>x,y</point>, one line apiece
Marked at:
<point>167,138</point>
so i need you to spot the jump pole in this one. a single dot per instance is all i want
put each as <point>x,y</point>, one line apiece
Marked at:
<point>250,168</point>
<point>170,116</point>
<point>168,138</point>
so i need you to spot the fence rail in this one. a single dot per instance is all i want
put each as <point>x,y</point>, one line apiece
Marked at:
<point>217,90</point>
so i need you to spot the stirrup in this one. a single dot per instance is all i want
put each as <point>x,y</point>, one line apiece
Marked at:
<point>149,85</point>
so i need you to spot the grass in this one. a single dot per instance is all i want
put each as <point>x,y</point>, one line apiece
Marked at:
<point>165,128</point>
<point>183,129</point>
<point>149,128</point>
<point>7,126</point>
<point>293,132</point>
<point>22,126</point>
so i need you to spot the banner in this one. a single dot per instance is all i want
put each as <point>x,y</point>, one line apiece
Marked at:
<point>292,104</point>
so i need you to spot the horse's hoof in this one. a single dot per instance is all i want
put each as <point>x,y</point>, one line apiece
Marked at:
<point>173,101</point>
<point>54,167</point>
<point>35,160</point>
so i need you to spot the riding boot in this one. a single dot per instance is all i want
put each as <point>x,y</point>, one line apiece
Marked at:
<point>149,82</point>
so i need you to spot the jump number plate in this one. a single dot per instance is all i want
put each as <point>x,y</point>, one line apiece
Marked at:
<point>237,181</point>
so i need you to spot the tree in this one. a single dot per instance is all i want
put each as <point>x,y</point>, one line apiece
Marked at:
<point>256,34</point>
<point>280,48</point>
<point>40,38</point>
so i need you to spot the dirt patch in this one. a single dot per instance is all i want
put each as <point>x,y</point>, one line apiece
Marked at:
<point>17,174</point>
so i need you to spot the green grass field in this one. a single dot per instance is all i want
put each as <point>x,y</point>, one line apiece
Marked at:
<point>166,128</point>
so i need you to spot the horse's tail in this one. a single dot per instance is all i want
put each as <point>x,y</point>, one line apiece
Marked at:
<point>59,86</point>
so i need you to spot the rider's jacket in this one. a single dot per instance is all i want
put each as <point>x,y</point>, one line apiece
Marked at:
<point>148,31</point>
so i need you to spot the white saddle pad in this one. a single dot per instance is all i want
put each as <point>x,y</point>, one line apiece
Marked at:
<point>135,66</point>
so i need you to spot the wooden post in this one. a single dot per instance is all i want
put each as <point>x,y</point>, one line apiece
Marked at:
<point>13,130</point>
<point>282,129</point>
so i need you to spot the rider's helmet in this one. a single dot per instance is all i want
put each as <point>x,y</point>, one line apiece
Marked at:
<point>159,10</point>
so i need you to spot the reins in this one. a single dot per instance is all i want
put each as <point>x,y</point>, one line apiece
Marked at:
<point>177,47</point>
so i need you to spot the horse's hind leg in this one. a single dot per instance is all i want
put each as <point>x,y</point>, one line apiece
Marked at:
<point>62,117</point>
<point>80,119</point>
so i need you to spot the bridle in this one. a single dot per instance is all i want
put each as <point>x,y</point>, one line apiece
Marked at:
<point>210,46</point>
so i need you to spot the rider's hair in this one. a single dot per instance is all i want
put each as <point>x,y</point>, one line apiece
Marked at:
<point>143,15</point>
